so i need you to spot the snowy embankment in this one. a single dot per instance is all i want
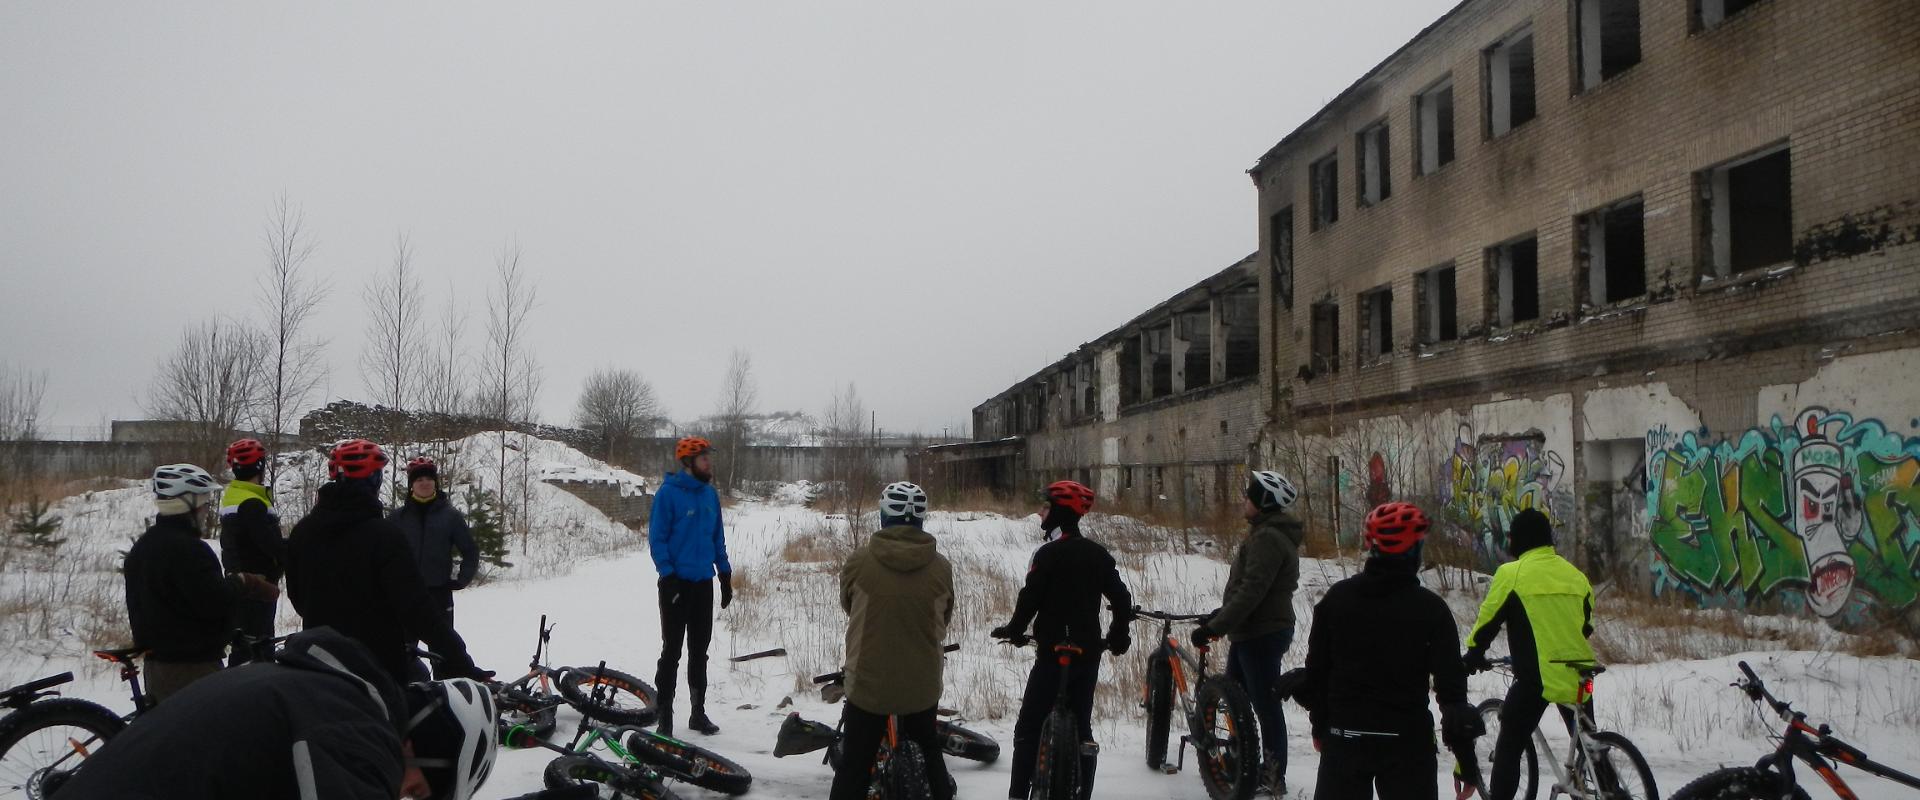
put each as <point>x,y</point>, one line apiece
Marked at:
<point>594,579</point>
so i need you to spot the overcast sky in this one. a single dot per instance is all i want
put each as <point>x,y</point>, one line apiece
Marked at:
<point>930,200</point>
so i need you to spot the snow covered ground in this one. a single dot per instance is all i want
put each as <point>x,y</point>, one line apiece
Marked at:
<point>595,580</point>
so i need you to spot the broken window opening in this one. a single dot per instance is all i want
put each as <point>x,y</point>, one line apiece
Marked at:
<point>1747,210</point>
<point>1196,332</point>
<point>1509,81</point>
<point>1089,390</point>
<point>1280,244</point>
<point>1710,13</point>
<point>1241,311</point>
<point>1325,190</point>
<point>1373,180</point>
<point>1606,39</point>
<point>1435,301</point>
<point>1130,371</point>
<point>1376,324</point>
<point>1433,126</point>
<point>1325,338</point>
<point>1513,274</point>
<point>1613,252</point>
<point>1160,361</point>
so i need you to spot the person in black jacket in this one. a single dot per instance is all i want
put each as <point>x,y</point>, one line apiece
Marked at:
<point>178,603</point>
<point>321,720</point>
<point>434,530</point>
<point>250,541</point>
<point>1378,640</point>
<point>349,569</point>
<point>1065,582</point>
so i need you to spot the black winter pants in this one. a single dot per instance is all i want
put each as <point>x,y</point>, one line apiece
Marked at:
<point>1043,683</point>
<point>861,733</point>
<point>1519,716</point>
<point>442,597</point>
<point>1255,665</point>
<point>686,619</point>
<point>1393,767</point>
<point>253,618</point>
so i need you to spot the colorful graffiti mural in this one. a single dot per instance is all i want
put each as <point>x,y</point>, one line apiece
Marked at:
<point>1486,481</point>
<point>1822,515</point>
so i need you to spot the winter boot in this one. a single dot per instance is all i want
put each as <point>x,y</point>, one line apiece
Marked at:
<point>700,723</point>
<point>665,707</point>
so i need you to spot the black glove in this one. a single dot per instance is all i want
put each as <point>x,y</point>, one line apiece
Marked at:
<point>670,589</point>
<point>1005,633</point>
<point>1289,684</point>
<point>1476,661</point>
<point>726,589</point>
<point>1460,724</point>
<point>1119,641</point>
<point>1204,635</point>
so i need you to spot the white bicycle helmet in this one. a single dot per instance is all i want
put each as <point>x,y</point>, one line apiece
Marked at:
<point>1271,490</point>
<point>903,500</point>
<point>453,735</point>
<point>175,480</point>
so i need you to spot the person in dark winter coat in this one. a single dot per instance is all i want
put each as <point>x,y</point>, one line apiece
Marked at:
<point>349,569</point>
<point>434,531</point>
<point>689,545</point>
<point>898,594</point>
<point>250,542</point>
<point>179,604</point>
<point>1256,613</point>
<point>1061,598</point>
<point>1379,640</point>
<point>321,721</point>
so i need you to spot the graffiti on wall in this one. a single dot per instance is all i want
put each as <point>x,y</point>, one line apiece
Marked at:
<point>1821,514</point>
<point>1487,480</point>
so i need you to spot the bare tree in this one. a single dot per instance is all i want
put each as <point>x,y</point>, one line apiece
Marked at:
<point>290,294</point>
<point>846,433</point>
<point>619,406</point>
<point>511,381</point>
<point>739,395</point>
<point>443,387</point>
<point>21,393</point>
<point>212,384</point>
<point>392,359</point>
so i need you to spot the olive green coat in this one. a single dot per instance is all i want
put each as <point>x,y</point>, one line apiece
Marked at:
<point>898,595</point>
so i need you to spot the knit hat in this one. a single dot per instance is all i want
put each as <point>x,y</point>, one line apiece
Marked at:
<point>1528,530</point>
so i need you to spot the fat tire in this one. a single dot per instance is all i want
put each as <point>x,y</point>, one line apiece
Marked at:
<point>541,723</point>
<point>970,745</point>
<point>1735,783</point>
<point>1609,772</point>
<point>567,771</point>
<point>1235,773</point>
<point>576,687</point>
<point>1159,708</point>
<point>691,763</point>
<point>1056,764</point>
<point>905,775</point>
<point>17,768</point>
<point>1529,760</point>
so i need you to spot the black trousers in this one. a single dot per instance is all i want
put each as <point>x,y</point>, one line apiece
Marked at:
<point>1394,767</point>
<point>1043,684</point>
<point>1519,715</point>
<point>253,618</point>
<point>861,734</point>
<point>686,620</point>
<point>442,597</point>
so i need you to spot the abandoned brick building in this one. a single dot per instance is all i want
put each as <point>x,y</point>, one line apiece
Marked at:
<point>1652,266</point>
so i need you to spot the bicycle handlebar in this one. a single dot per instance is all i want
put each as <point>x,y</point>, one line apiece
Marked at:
<point>1166,615</point>
<point>836,677</point>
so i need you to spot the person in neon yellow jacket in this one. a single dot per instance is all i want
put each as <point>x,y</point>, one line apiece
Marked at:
<point>1546,605</point>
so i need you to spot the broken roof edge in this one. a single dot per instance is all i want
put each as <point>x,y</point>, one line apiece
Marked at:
<point>1223,280</point>
<point>1355,88</point>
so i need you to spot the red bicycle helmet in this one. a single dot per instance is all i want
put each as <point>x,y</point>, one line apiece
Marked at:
<point>421,465</point>
<point>356,458</point>
<point>1071,495</point>
<point>1394,528</point>
<point>690,447</point>
<point>246,453</point>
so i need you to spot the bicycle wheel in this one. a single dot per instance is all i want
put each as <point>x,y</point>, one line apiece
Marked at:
<point>1056,763</point>
<point>970,745</point>
<point>904,777</point>
<point>689,762</point>
<point>1224,725</point>
<point>625,700</point>
<point>610,780</point>
<point>1736,783</point>
<point>539,718</point>
<point>1620,772</point>
<point>1159,701</point>
<point>42,744</point>
<point>1529,784</point>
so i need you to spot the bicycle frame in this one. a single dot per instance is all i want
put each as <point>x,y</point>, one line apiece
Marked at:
<point>1583,748</point>
<point>1816,746</point>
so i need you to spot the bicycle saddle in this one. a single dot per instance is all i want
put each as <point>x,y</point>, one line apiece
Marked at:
<point>122,655</point>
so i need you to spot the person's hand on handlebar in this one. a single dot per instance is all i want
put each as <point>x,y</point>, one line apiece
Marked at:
<point>1008,634</point>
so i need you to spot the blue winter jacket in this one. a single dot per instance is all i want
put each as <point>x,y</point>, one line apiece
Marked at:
<point>685,532</point>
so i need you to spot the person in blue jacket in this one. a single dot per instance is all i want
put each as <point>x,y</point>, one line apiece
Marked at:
<point>689,544</point>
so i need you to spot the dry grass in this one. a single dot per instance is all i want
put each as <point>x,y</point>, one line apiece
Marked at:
<point>1638,630</point>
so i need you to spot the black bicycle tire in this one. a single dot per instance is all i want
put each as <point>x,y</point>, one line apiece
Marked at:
<point>575,770</point>
<point>541,723</point>
<point>1159,701</point>
<point>970,745</point>
<point>1733,783</point>
<point>1056,762</point>
<point>1639,762</point>
<point>905,775</point>
<point>690,762</point>
<point>88,716</point>
<point>570,684</point>
<point>1245,748</point>
<point>1529,787</point>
